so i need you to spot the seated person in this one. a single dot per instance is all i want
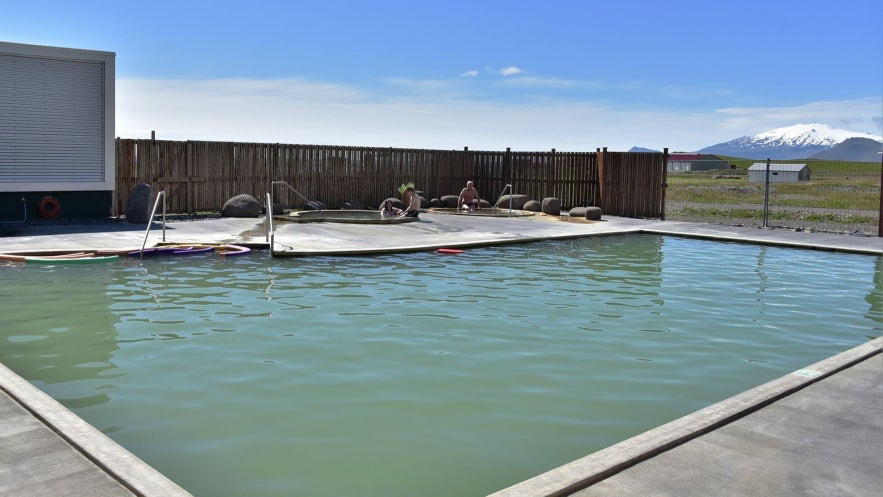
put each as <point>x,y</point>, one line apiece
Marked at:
<point>469,198</point>
<point>389,210</point>
<point>414,202</point>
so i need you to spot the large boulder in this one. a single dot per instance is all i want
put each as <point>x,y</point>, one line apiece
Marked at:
<point>532,206</point>
<point>590,213</point>
<point>243,205</point>
<point>449,201</point>
<point>396,202</point>
<point>138,204</point>
<point>551,206</point>
<point>518,201</point>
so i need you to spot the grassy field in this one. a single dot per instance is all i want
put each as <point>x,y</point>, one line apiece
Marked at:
<point>840,197</point>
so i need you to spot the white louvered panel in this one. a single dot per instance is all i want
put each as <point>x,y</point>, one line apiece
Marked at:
<point>51,120</point>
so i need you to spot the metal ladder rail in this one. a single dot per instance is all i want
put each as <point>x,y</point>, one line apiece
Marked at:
<point>305,199</point>
<point>507,187</point>
<point>271,232</point>
<point>160,195</point>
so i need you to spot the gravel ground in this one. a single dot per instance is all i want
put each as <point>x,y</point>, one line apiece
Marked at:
<point>675,212</point>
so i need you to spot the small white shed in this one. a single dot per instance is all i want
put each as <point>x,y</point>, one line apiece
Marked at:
<point>779,173</point>
<point>57,124</point>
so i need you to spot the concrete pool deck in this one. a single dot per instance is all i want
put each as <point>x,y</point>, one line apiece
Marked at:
<point>817,430</point>
<point>434,230</point>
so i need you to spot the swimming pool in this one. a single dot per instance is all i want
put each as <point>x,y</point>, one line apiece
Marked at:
<point>421,374</point>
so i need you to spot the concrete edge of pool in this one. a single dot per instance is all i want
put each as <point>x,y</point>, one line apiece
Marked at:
<point>55,452</point>
<point>585,472</point>
<point>434,230</point>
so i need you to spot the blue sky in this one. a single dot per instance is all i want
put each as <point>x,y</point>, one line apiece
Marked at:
<point>530,75</point>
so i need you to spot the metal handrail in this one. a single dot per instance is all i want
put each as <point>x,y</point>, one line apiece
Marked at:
<point>507,187</point>
<point>271,233</point>
<point>305,199</point>
<point>160,195</point>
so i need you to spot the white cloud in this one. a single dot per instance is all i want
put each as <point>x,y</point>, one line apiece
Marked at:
<point>436,115</point>
<point>510,71</point>
<point>854,115</point>
<point>561,84</point>
<point>469,74</point>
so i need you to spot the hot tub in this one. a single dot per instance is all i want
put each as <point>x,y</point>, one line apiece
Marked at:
<point>343,216</point>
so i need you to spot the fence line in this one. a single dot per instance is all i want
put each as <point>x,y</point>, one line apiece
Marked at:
<point>835,196</point>
<point>633,184</point>
<point>201,176</point>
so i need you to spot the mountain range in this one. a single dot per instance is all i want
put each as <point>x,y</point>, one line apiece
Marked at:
<point>801,141</point>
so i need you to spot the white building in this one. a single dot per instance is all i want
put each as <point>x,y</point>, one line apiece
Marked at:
<point>56,129</point>
<point>779,173</point>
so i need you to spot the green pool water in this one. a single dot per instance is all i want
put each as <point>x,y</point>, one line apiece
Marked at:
<point>421,374</point>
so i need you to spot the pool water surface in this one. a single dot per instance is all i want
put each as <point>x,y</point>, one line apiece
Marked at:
<point>421,374</point>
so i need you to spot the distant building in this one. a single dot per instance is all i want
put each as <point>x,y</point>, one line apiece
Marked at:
<point>695,162</point>
<point>779,173</point>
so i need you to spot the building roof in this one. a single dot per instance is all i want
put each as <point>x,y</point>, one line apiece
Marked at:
<point>761,166</point>
<point>692,157</point>
<point>684,157</point>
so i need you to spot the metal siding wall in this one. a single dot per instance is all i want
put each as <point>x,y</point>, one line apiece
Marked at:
<point>51,120</point>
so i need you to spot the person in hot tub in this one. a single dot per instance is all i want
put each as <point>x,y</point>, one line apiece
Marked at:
<point>389,210</point>
<point>469,198</point>
<point>414,203</point>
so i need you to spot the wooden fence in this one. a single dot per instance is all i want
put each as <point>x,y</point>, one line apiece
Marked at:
<point>201,176</point>
<point>632,184</point>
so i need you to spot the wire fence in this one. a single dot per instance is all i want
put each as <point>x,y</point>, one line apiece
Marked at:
<point>804,195</point>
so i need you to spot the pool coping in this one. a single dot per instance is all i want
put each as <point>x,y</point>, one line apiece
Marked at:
<point>598,466</point>
<point>435,230</point>
<point>108,456</point>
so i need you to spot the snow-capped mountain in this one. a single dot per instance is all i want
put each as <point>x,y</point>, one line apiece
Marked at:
<point>853,149</point>
<point>799,141</point>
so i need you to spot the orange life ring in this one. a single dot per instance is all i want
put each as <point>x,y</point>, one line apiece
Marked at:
<point>48,208</point>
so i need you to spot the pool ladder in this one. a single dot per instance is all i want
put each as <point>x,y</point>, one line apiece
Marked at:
<point>309,202</point>
<point>507,187</point>
<point>271,233</point>
<point>159,196</point>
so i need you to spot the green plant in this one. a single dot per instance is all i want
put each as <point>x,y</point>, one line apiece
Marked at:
<point>405,186</point>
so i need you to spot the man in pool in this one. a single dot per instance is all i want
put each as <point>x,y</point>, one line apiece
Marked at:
<point>469,198</point>
<point>414,203</point>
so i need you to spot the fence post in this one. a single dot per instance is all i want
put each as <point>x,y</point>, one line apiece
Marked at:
<point>766,194</point>
<point>880,215</point>
<point>664,185</point>
<point>507,166</point>
<point>602,178</point>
